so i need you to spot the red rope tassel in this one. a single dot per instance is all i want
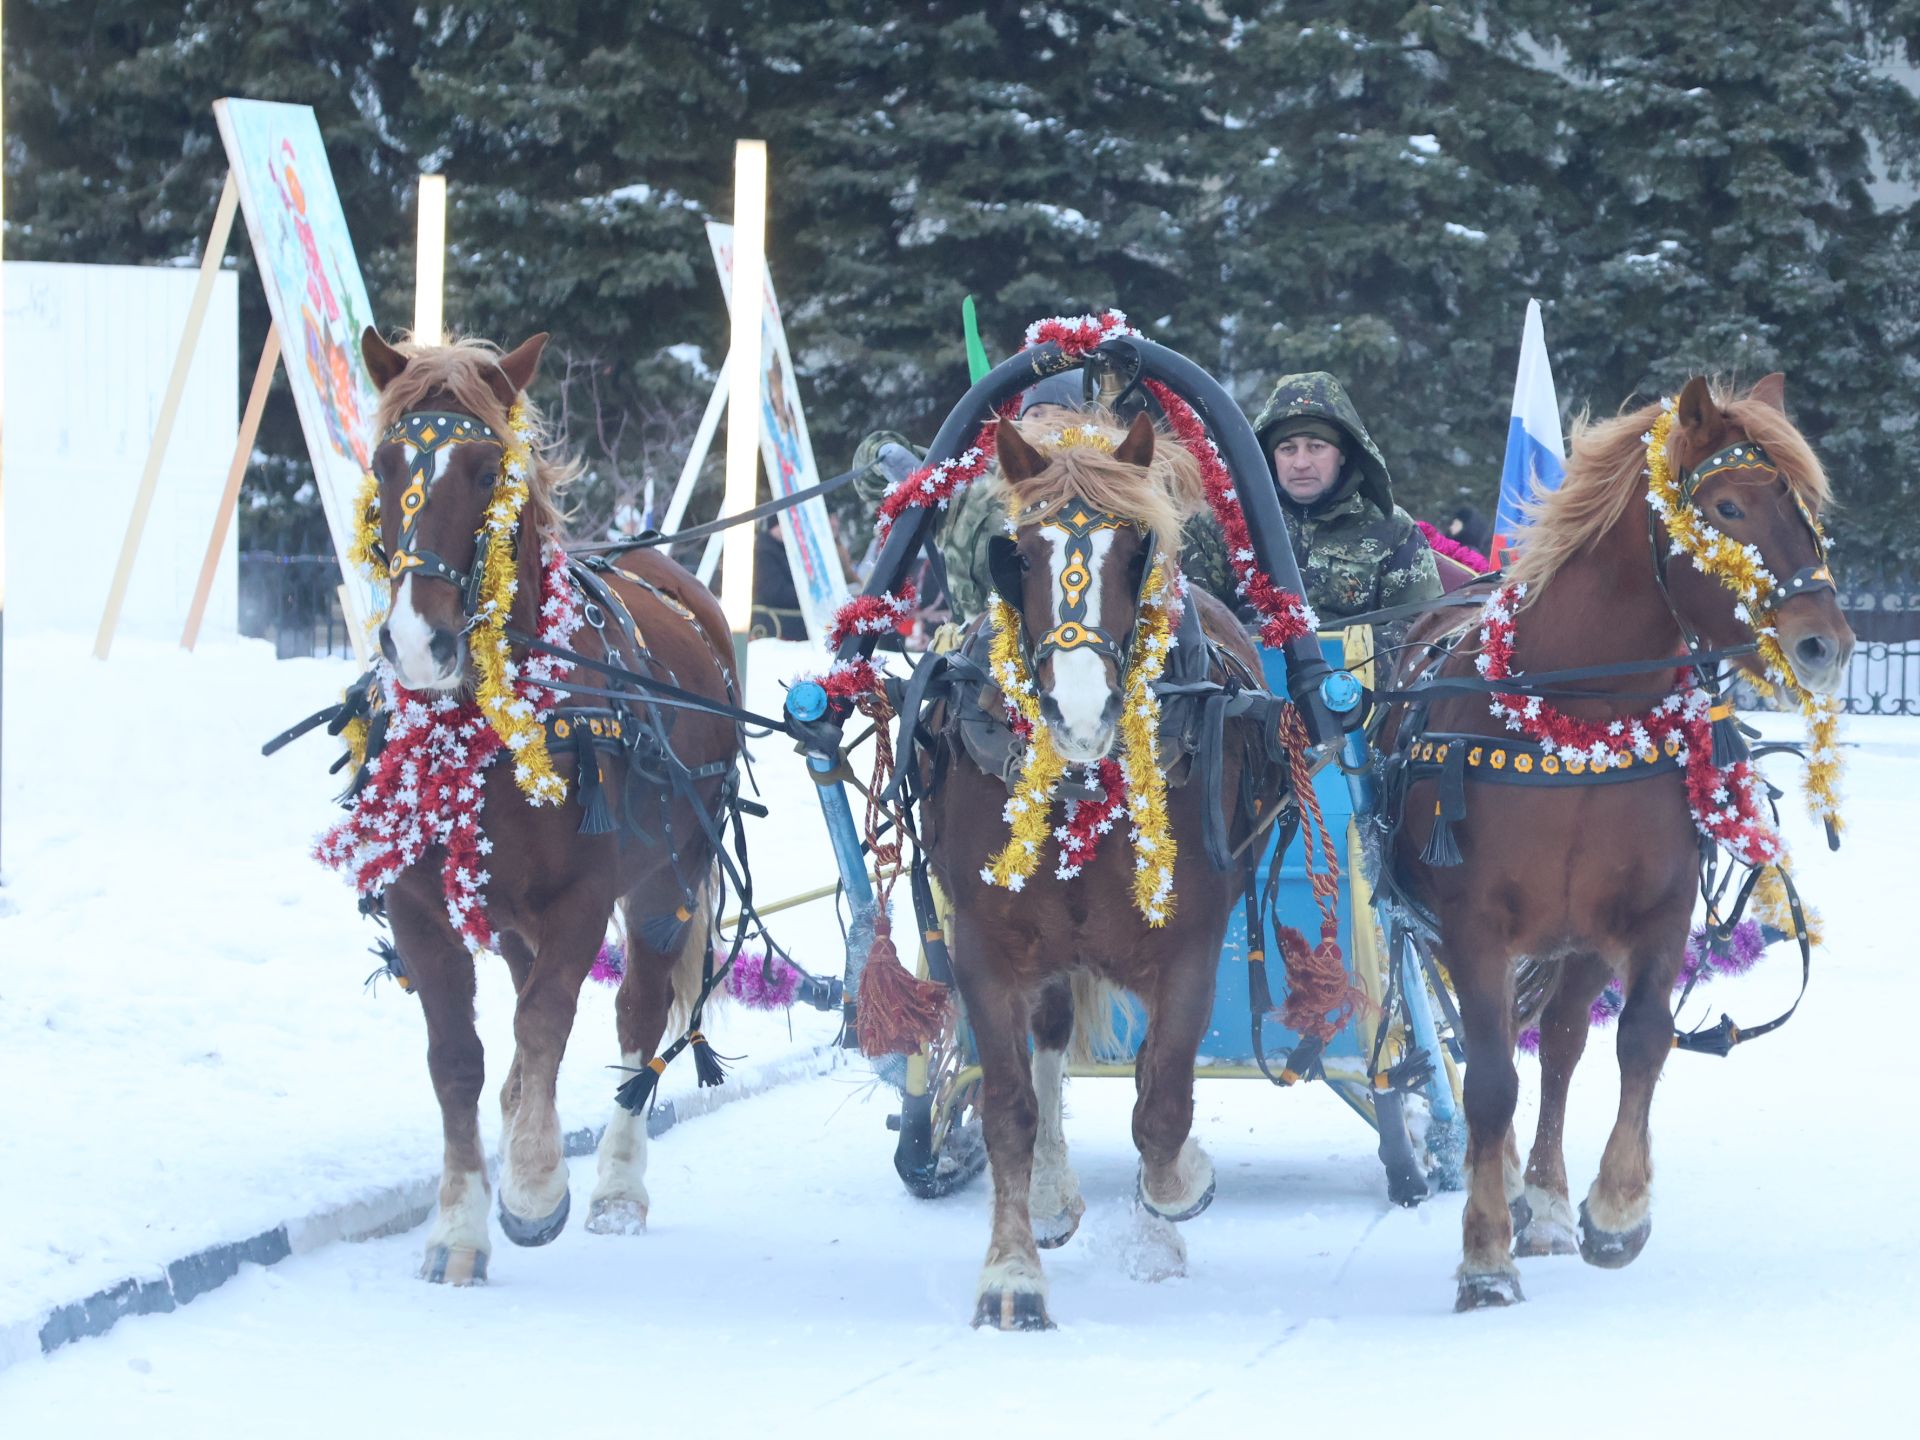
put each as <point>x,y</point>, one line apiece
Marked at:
<point>1320,996</point>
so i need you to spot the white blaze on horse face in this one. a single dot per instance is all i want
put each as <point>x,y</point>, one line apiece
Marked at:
<point>413,660</point>
<point>1079,681</point>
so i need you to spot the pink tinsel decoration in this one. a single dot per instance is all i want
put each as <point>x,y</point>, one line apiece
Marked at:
<point>1446,545</point>
<point>1706,958</point>
<point>609,965</point>
<point>750,984</point>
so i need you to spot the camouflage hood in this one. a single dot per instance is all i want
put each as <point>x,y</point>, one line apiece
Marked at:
<point>1320,396</point>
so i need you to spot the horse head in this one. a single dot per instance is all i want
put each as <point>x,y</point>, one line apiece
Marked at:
<point>1749,473</point>
<point>1088,517</point>
<point>439,464</point>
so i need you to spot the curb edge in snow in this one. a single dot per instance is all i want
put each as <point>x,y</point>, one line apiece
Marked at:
<point>390,1211</point>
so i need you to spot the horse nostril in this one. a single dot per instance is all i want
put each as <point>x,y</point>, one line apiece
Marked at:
<point>386,644</point>
<point>441,647</point>
<point>1814,650</point>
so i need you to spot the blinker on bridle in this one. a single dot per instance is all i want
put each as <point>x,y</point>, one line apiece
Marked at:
<point>428,437</point>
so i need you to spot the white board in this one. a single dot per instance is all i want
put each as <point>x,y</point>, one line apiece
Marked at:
<point>89,351</point>
<point>787,453</point>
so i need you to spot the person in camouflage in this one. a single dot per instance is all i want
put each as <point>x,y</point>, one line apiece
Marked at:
<point>1356,549</point>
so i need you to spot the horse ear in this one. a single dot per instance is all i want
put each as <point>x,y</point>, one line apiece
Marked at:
<point>517,367</point>
<point>384,363</point>
<point>1696,410</point>
<point>1018,460</point>
<point>1771,390</point>
<point>1137,448</point>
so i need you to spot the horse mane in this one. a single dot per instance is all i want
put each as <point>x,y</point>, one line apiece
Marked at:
<point>1161,498</point>
<point>1606,473</point>
<point>461,371</point>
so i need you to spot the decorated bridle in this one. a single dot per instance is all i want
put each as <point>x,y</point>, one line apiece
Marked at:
<point>1074,628</point>
<point>1749,459</point>
<point>428,438</point>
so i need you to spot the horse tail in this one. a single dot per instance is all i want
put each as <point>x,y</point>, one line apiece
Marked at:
<point>1097,1017</point>
<point>689,963</point>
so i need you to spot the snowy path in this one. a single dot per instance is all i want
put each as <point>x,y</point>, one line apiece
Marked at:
<point>788,1277</point>
<point>186,1056</point>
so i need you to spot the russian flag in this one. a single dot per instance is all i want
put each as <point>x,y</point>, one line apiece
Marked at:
<point>1536,460</point>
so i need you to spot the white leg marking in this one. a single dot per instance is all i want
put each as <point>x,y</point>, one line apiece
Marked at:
<point>620,1202</point>
<point>1053,1198</point>
<point>1019,1275</point>
<point>461,1221</point>
<point>1192,1174</point>
<point>533,1168</point>
<point>1551,1212</point>
<point>1613,1218</point>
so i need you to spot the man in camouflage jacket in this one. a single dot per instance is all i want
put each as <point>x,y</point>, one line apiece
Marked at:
<point>1356,549</point>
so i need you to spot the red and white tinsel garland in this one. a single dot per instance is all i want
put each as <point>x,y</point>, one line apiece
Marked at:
<point>428,784</point>
<point>1726,804</point>
<point>1283,615</point>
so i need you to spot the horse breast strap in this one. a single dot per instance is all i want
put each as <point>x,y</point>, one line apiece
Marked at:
<point>426,436</point>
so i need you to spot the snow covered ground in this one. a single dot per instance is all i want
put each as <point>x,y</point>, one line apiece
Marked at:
<point>187,1056</point>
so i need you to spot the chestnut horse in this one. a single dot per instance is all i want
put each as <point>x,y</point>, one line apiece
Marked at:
<point>1587,881</point>
<point>547,890</point>
<point>1090,521</point>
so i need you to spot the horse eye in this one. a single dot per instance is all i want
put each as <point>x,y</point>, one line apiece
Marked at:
<point>1730,511</point>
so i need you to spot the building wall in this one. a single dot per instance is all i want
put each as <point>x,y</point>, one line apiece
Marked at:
<point>89,351</point>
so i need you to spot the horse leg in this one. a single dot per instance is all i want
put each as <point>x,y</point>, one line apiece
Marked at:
<point>1176,1176</point>
<point>1487,1274</point>
<point>534,1199</point>
<point>649,986</point>
<point>1054,1197</point>
<point>441,969</point>
<point>1564,1023</point>
<point>1013,1289</point>
<point>1616,1218</point>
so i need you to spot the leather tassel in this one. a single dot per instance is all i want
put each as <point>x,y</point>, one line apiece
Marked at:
<point>898,1012</point>
<point>636,1095</point>
<point>707,1069</point>
<point>1729,745</point>
<point>1442,850</point>
<point>596,815</point>
<point>667,933</point>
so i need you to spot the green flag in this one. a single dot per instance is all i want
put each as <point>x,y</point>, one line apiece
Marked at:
<point>977,362</point>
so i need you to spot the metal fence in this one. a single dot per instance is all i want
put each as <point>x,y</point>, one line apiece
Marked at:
<point>1884,678</point>
<point>292,601</point>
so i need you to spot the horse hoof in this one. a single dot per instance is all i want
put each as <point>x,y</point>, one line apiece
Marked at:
<point>1496,1289</point>
<point>445,1265</point>
<point>1012,1310</point>
<point>1193,1210</point>
<point>1050,1232</point>
<point>535,1232</point>
<point>1609,1249</point>
<point>614,1215</point>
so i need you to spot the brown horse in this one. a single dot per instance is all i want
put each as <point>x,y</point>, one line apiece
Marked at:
<point>1091,522</point>
<point>1587,881</point>
<point>547,890</point>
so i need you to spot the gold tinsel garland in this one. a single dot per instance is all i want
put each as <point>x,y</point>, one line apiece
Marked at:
<point>513,719</point>
<point>1030,807</point>
<point>1743,570</point>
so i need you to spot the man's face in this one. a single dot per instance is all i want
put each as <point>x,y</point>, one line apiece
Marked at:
<point>1307,467</point>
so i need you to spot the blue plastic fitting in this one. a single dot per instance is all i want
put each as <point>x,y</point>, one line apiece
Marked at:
<point>1340,691</point>
<point>807,701</point>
